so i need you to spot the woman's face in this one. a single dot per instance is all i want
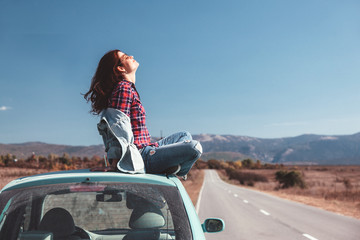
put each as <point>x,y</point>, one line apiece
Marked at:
<point>128,62</point>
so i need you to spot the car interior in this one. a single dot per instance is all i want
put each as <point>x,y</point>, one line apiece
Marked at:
<point>105,213</point>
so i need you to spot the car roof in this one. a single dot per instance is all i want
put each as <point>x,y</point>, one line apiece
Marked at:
<point>87,176</point>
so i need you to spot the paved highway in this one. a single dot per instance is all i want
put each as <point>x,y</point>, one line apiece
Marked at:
<point>254,215</point>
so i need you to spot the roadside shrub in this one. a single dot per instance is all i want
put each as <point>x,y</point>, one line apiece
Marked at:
<point>247,163</point>
<point>215,164</point>
<point>289,179</point>
<point>200,164</point>
<point>235,164</point>
<point>245,178</point>
<point>347,184</point>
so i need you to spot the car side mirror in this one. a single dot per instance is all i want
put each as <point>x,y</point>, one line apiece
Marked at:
<point>213,225</point>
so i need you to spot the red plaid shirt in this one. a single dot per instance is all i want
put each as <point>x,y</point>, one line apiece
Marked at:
<point>126,98</point>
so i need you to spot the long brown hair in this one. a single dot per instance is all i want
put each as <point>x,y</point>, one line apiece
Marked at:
<point>103,81</point>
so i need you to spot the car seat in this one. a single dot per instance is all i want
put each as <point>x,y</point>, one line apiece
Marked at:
<point>60,222</point>
<point>145,221</point>
<point>38,235</point>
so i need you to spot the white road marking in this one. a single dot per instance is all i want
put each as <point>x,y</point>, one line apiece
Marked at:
<point>235,195</point>
<point>199,198</point>
<point>309,236</point>
<point>264,212</point>
<point>245,201</point>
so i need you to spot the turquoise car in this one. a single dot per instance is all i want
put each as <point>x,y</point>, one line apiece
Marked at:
<point>84,204</point>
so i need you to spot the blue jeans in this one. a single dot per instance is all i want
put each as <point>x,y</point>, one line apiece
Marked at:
<point>176,149</point>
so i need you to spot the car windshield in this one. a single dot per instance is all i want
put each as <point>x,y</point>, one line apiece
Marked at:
<point>94,211</point>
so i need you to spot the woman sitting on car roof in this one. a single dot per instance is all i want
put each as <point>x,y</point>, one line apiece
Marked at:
<point>114,97</point>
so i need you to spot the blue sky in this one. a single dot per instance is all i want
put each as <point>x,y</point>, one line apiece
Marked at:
<point>261,68</point>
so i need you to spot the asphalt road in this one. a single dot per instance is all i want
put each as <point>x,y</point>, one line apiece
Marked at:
<point>254,215</point>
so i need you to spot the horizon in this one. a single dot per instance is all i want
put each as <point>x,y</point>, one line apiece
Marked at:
<point>267,69</point>
<point>155,137</point>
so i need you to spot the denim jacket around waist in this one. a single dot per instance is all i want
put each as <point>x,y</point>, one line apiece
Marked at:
<point>115,129</point>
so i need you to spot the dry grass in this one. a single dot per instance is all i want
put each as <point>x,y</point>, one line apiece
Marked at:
<point>333,188</point>
<point>193,184</point>
<point>8,174</point>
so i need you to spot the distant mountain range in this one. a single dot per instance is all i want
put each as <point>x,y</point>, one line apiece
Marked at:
<point>24,150</point>
<point>304,149</point>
